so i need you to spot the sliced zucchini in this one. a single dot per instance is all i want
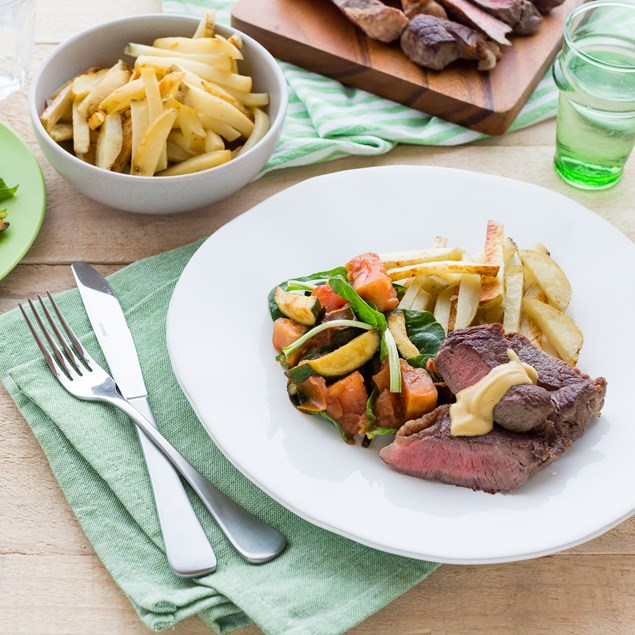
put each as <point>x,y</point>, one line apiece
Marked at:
<point>300,373</point>
<point>304,309</point>
<point>347,358</point>
<point>397,326</point>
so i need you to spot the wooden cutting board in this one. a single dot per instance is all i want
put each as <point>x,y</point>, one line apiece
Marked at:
<point>315,35</point>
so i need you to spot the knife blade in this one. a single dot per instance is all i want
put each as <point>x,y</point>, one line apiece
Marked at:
<point>188,550</point>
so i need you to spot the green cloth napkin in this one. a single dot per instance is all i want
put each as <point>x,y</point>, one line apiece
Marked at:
<point>322,585</point>
<point>327,120</point>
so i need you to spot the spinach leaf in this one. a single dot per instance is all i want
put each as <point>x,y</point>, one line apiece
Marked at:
<point>320,275</point>
<point>425,333</point>
<point>364,311</point>
<point>6,191</point>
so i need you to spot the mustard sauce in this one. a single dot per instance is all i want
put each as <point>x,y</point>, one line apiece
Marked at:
<point>473,412</point>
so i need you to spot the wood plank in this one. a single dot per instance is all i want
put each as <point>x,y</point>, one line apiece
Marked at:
<point>549,596</point>
<point>317,36</point>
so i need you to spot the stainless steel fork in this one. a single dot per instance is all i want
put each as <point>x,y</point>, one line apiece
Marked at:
<point>83,378</point>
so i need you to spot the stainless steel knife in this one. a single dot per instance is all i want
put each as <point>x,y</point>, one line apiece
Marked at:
<point>188,550</point>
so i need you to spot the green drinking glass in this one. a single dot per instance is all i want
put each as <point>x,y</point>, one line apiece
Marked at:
<point>595,73</point>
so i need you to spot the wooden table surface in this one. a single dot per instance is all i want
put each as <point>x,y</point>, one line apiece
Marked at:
<point>51,581</point>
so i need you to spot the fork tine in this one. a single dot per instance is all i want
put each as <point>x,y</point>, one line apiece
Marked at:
<point>62,340</point>
<point>69,331</point>
<point>52,364</point>
<point>54,347</point>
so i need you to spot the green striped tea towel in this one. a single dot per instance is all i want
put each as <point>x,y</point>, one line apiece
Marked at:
<point>327,120</point>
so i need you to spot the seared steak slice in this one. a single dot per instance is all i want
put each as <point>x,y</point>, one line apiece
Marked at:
<point>434,43</point>
<point>378,21</point>
<point>467,355</point>
<point>521,15</point>
<point>506,10</point>
<point>500,461</point>
<point>468,13</point>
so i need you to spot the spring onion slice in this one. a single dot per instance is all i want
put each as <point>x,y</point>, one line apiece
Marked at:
<point>393,361</point>
<point>287,350</point>
<point>300,285</point>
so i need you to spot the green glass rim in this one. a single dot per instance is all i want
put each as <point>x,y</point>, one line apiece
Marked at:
<point>583,8</point>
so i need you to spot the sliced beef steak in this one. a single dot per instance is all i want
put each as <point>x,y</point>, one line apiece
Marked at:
<point>467,355</point>
<point>503,459</point>
<point>500,461</point>
<point>521,15</point>
<point>434,43</point>
<point>377,20</point>
<point>468,13</point>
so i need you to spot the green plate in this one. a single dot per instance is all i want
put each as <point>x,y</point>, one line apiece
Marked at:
<point>25,210</point>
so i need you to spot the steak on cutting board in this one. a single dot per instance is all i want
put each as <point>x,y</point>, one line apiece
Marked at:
<point>503,459</point>
<point>377,20</point>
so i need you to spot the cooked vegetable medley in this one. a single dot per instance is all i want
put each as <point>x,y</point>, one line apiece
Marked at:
<point>350,354</point>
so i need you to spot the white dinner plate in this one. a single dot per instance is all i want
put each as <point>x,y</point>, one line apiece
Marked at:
<point>219,339</point>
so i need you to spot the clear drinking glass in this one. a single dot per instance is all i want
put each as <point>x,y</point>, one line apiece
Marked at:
<point>595,72</point>
<point>17,25</point>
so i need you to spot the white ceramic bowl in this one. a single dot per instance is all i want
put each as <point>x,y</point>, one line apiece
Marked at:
<point>102,46</point>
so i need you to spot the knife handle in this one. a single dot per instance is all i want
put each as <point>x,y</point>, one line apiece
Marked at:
<point>187,548</point>
<point>252,538</point>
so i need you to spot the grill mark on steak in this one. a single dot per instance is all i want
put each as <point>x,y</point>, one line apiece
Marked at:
<point>434,43</point>
<point>502,460</point>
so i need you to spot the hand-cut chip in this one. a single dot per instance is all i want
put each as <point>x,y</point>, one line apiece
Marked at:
<point>210,46</point>
<point>198,163</point>
<point>443,308</point>
<point>213,141</point>
<point>117,76</point>
<point>155,106</point>
<point>211,59</point>
<point>191,129</point>
<point>109,141</point>
<point>120,98</point>
<point>468,300</point>
<point>81,131</point>
<point>146,158</point>
<point>406,258</point>
<point>530,330</point>
<point>492,286</point>
<point>217,108</point>
<point>139,120</point>
<point>442,268</point>
<point>219,127</point>
<point>84,83</point>
<point>60,104</point>
<point>123,159</point>
<point>225,78</point>
<point>513,298</point>
<point>397,326</point>
<point>207,26</point>
<point>411,293</point>
<point>261,125</point>
<point>61,132</point>
<point>559,328</point>
<point>549,276</point>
